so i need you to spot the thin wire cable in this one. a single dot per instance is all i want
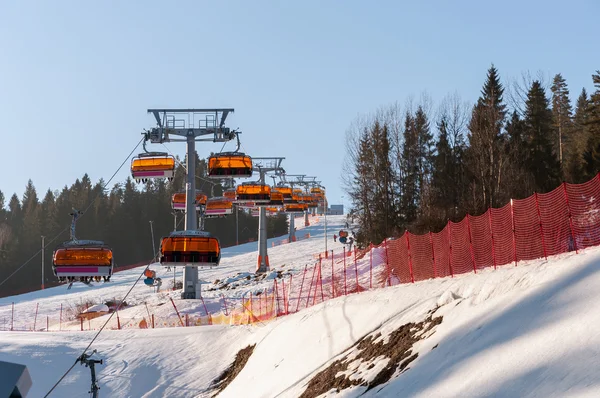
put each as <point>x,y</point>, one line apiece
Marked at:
<point>66,228</point>
<point>103,326</point>
<point>185,168</point>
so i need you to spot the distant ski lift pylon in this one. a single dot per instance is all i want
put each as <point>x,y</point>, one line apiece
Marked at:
<point>230,165</point>
<point>178,201</point>
<point>152,165</point>
<point>190,248</point>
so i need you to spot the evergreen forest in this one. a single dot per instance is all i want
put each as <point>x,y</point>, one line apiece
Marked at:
<point>417,166</point>
<point>119,216</point>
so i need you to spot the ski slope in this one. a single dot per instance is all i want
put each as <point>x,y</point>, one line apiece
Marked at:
<point>530,330</point>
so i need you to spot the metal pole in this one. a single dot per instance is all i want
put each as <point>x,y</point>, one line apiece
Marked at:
<point>153,247</point>
<point>324,206</point>
<point>263,257</point>
<point>237,238</point>
<point>190,274</point>
<point>292,234</point>
<point>43,262</point>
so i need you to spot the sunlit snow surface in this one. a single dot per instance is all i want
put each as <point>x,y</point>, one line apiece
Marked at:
<point>530,330</point>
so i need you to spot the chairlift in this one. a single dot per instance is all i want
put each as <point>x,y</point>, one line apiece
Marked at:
<point>82,260</point>
<point>230,164</point>
<point>253,192</point>
<point>152,165</point>
<point>178,201</point>
<point>218,206</point>
<point>190,249</point>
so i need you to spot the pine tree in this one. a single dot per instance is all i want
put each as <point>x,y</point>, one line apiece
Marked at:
<point>443,175</point>
<point>410,171</point>
<point>592,124</point>
<point>518,182</point>
<point>383,200</point>
<point>539,131</point>
<point>562,114</point>
<point>578,143</point>
<point>486,156</point>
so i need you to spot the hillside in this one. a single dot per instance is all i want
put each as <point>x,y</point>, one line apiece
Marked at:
<point>528,330</point>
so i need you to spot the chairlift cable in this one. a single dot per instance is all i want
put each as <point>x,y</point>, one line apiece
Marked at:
<point>66,228</point>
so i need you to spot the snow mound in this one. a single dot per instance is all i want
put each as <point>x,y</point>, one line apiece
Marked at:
<point>447,297</point>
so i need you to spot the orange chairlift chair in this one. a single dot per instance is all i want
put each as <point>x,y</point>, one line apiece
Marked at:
<point>218,206</point>
<point>190,248</point>
<point>152,165</point>
<point>230,164</point>
<point>253,192</point>
<point>83,260</point>
<point>178,201</point>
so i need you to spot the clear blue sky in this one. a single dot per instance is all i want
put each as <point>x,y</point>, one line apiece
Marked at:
<point>77,77</point>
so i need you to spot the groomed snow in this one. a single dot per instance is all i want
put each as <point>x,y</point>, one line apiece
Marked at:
<point>530,330</point>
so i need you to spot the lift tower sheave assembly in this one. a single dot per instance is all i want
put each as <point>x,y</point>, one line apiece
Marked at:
<point>263,166</point>
<point>188,125</point>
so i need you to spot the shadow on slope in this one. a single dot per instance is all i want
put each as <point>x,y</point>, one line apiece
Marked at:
<point>543,308</point>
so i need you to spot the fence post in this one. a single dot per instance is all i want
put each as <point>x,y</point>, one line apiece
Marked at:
<point>176,310</point>
<point>287,308</point>
<point>12,317</point>
<point>471,243</point>
<point>432,254</point>
<point>311,284</point>
<point>537,205</point>
<point>283,290</point>
<point>81,319</point>
<point>356,271</point>
<point>370,266</point>
<point>276,297</point>
<point>512,218</point>
<point>187,320</point>
<point>345,287</point>
<point>118,320</point>
<point>332,277</point>
<point>35,318</point>
<point>450,248</point>
<point>492,233</point>
<point>47,324</point>
<point>301,286</point>
<point>152,321</point>
<point>410,267</point>
<point>321,281</point>
<point>387,262</point>
<point>570,219</point>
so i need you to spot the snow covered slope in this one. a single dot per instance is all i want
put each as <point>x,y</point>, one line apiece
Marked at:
<point>530,330</point>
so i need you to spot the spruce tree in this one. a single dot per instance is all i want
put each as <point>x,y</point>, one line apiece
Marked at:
<point>592,124</point>
<point>539,130</point>
<point>578,143</point>
<point>410,171</point>
<point>443,176</point>
<point>486,156</point>
<point>562,123</point>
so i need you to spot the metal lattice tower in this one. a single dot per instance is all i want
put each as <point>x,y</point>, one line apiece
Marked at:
<point>264,165</point>
<point>190,124</point>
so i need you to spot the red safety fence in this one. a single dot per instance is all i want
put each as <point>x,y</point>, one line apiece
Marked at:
<point>563,220</point>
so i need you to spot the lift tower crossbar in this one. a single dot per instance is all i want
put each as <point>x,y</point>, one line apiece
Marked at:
<point>190,124</point>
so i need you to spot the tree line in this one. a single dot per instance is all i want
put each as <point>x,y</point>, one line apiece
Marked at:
<point>415,168</point>
<point>119,216</point>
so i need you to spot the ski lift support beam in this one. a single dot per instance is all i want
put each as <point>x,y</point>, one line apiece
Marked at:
<point>190,124</point>
<point>264,165</point>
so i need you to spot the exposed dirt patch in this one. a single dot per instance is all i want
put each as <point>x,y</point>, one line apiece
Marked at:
<point>398,351</point>
<point>241,358</point>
